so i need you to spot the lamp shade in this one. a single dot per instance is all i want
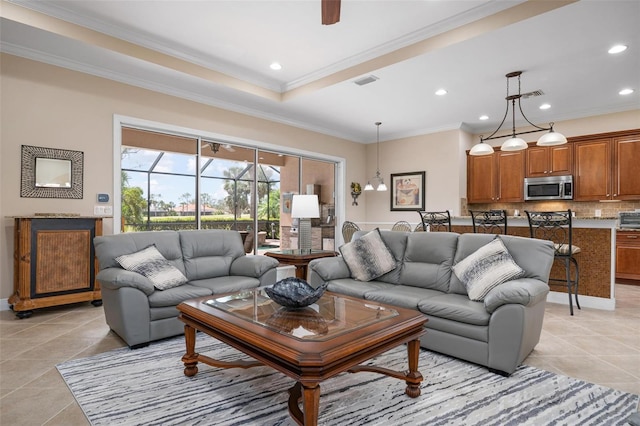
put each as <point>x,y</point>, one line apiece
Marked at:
<point>305,206</point>
<point>514,144</point>
<point>552,138</point>
<point>481,149</point>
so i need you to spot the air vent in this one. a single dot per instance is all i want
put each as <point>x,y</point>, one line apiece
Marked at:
<point>366,80</point>
<point>533,94</point>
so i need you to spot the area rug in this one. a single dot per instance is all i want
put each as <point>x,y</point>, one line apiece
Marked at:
<point>148,387</point>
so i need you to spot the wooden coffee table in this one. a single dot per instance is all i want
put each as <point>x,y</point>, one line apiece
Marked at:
<point>299,258</point>
<point>310,345</point>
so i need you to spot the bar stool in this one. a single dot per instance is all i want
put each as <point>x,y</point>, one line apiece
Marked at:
<point>437,221</point>
<point>556,227</point>
<point>489,221</point>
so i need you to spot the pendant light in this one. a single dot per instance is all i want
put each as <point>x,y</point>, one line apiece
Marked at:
<point>377,178</point>
<point>514,143</point>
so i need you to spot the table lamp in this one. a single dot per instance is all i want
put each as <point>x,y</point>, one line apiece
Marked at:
<point>303,208</point>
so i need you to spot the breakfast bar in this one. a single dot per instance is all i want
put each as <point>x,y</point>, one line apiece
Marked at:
<point>596,237</point>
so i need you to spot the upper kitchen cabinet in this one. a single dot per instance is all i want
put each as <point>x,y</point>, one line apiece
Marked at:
<point>549,161</point>
<point>607,168</point>
<point>626,168</point>
<point>498,177</point>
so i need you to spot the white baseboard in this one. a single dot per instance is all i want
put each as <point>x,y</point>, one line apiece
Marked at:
<point>585,301</point>
<point>4,305</point>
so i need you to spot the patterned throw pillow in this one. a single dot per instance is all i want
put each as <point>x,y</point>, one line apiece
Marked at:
<point>368,257</point>
<point>152,264</point>
<point>486,268</point>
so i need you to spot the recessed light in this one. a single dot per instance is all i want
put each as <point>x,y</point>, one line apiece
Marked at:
<point>275,66</point>
<point>441,92</point>
<point>483,117</point>
<point>545,106</point>
<point>617,49</point>
<point>625,92</point>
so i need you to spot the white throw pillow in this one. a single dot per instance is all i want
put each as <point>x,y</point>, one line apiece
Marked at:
<point>486,268</point>
<point>153,265</point>
<point>368,257</point>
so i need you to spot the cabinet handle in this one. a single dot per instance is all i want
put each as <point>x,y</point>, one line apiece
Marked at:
<point>632,236</point>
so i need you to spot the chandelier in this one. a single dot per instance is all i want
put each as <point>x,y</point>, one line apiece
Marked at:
<point>514,143</point>
<point>377,178</point>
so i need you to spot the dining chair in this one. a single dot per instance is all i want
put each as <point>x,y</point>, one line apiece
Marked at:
<point>556,226</point>
<point>401,225</point>
<point>437,221</point>
<point>348,229</point>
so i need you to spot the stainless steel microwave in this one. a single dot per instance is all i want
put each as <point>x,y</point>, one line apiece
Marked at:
<point>548,188</point>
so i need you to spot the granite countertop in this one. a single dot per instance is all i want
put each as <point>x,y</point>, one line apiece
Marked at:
<point>524,216</point>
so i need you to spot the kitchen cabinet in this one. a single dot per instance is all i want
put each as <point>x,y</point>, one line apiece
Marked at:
<point>54,262</point>
<point>545,161</point>
<point>626,168</point>
<point>607,168</point>
<point>498,177</point>
<point>628,255</point>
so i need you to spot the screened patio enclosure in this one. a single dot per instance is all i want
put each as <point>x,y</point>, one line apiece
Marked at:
<point>232,187</point>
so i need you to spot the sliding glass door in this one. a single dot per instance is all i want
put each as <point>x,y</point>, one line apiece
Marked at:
<point>233,187</point>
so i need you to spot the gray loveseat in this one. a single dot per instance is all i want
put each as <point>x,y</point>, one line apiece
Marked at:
<point>213,261</point>
<point>498,332</point>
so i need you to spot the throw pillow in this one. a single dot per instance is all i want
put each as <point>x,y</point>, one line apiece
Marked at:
<point>368,257</point>
<point>486,268</point>
<point>153,265</point>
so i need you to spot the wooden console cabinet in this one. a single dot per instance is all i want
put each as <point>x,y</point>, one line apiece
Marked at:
<point>54,262</point>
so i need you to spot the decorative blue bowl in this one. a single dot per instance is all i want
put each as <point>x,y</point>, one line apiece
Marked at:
<point>294,293</point>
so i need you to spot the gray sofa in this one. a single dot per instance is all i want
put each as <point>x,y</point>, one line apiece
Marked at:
<point>498,332</point>
<point>213,261</point>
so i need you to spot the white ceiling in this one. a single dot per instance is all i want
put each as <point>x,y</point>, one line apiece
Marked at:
<point>218,53</point>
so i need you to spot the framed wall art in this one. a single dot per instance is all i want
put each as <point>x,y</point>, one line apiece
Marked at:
<point>51,172</point>
<point>408,191</point>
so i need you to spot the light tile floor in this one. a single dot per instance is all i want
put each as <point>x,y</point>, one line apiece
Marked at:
<point>597,346</point>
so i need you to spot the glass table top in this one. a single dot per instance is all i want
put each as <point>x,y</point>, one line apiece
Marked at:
<point>329,317</point>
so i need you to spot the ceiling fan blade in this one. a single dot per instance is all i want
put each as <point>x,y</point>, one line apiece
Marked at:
<point>330,12</point>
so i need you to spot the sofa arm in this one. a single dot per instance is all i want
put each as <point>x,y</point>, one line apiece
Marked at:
<point>252,265</point>
<point>327,269</point>
<point>115,278</point>
<point>524,291</point>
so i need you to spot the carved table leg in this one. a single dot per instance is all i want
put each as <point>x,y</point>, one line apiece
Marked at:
<point>413,377</point>
<point>190,358</point>
<point>310,396</point>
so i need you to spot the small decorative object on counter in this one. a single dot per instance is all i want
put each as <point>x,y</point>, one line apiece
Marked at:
<point>356,190</point>
<point>294,293</point>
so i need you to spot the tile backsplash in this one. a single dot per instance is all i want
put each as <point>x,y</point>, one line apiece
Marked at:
<point>582,208</point>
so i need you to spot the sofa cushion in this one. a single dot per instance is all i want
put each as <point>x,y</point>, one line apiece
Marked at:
<point>401,295</point>
<point>108,247</point>
<point>150,263</point>
<point>174,296</point>
<point>486,268</point>
<point>455,307</point>
<point>227,284</point>
<point>209,253</point>
<point>428,260</point>
<point>351,287</point>
<point>368,257</point>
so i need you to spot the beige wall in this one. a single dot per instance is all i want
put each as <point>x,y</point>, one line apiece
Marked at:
<point>44,105</point>
<point>48,106</point>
